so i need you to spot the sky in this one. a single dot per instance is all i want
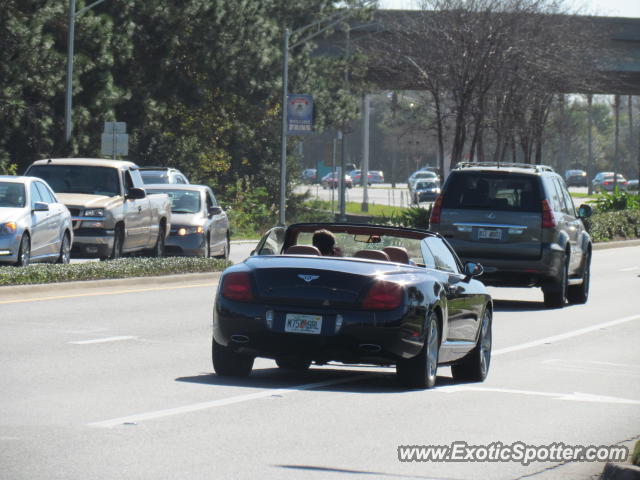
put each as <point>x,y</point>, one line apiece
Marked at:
<point>610,8</point>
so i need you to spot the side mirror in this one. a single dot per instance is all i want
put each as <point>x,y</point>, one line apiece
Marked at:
<point>473,269</point>
<point>585,211</point>
<point>135,194</point>
<point>40,207</point>
<point>214,211</point>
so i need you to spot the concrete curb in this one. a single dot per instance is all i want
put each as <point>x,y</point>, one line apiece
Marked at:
<point>109,283</point>
<point>616,244</point>
<point>615,471</point>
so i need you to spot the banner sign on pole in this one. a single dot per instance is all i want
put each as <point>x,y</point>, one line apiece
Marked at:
<point>299,114</point>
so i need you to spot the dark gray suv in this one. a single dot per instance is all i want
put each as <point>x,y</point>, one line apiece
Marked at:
<point>519,222</point>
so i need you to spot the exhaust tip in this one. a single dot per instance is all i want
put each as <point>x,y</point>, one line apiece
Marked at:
<point>239,338</point>
<point>370,347</point>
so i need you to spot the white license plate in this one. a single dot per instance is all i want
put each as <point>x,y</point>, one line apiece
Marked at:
<point>298,323</point>
<point>489,234</point>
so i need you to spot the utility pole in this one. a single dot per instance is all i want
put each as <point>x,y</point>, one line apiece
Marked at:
<point>590,142</point>
<point>364,176</point>
<point>616,153</point>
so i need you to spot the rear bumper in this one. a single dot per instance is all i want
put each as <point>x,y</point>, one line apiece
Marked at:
<point>243,328</point>
<point>525,272</point>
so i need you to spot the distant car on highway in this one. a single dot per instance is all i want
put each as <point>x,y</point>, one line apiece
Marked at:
<point>576,178</point>
<point>152,175</point>
<point>429,175</point>
<point>374,176</point>
<point>331,180</point>
<point>425,191</point>
<point>199,225</point>
<point>309,175</point>
<point>519,221</point>
<point>34,225</point>
<point>395,296</point>
<point>603,182</point>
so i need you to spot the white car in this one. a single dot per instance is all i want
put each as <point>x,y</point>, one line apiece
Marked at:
<point>427,175</point>
<point>34,225</point>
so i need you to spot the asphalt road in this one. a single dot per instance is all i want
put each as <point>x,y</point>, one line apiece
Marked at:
<point>106,383</point>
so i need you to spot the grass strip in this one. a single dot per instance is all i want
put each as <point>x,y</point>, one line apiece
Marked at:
<point>122,268</point>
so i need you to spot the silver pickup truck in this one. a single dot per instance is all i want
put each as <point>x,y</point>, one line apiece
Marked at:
<point>110,209</point>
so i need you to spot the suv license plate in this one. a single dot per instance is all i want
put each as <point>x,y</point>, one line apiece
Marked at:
<point>484,233</point>
<point>298,323</point>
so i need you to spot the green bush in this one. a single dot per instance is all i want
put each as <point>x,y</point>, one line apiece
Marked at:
<point>122,268</point>
<point>413,217</point>
<point>613,225</point>
<point>616,201</point>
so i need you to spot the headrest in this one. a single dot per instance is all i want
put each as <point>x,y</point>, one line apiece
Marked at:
<point>372,254</point>
<point>302,250</point>
<point>397,254</point>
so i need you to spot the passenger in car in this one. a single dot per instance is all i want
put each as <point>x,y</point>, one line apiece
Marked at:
<point>325,241</point>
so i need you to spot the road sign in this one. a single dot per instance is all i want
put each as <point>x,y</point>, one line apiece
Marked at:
<point>115,141</point>
<point>115,127</point>
<point>299,114</point>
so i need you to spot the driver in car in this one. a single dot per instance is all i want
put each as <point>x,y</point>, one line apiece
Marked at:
<point>325,241</point>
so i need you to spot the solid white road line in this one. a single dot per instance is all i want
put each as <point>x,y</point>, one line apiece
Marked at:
<point>219,403</point>
<point>102,340</point>
<point>563,336</point>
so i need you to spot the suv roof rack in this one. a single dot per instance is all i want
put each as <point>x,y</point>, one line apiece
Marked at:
<point>537,168</point>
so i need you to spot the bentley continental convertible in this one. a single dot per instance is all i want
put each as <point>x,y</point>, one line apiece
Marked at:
<point>387,296</point>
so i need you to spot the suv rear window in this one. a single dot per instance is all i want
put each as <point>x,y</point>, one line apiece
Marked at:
<point>492,191</point>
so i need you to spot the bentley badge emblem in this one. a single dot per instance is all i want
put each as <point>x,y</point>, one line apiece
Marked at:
<point>491,216</point>
<point>308,278</point>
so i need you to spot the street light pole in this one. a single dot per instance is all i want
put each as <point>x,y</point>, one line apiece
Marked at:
<point>68,120</point>
<point>283,145</point>
<point>70,40</point>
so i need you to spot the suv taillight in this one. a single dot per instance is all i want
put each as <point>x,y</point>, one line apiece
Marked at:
<point>434,219</point>
<point>237,286</point>
<point>383,296</point>
<point>548,218</point>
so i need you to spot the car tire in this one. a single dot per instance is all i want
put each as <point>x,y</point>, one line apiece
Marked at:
<point>65,250</point>
<point>207,246</point>
<point>24,252</point>
<point>579,294</point>
<point>296,364</point>
<point>420,371</point>
<point>158,248</point>
<point>227,249</point>
<point>118,240</point>
<point>555,294</point>
<point>475,366</point>
<point>228,363</point>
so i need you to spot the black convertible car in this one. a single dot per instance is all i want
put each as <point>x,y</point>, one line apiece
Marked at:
<point>393,296</point>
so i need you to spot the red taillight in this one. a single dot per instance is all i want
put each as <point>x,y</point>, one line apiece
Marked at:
<point>383,296</point>
<point>606,183</point>
<point>237,286</point>
<point>434,219</point>
<point>548,218</point>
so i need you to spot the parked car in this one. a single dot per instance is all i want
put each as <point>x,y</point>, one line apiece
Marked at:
<point>519,221</point>
<point>34,225</point>
<point>152,175</point>
<point>397,296</point>
<point>603,182</point>
<point>425,191</point>
<point>110,209</point>
<point>576,178</point>
<point>331,180</point>
<point>632,185</point>
<point>309,175</point>
<point>199,225</point>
